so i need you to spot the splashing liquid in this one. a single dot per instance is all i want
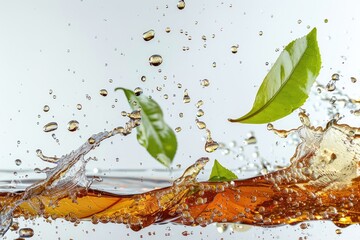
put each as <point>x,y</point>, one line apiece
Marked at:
<point>322,183</point>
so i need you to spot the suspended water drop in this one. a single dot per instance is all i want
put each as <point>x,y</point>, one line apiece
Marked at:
<point>51,126</point>
<point>200,124</point>
<point>155,60</point>
<point>353,79</point>
<point>338,231</point>
<point>103,92</point>
<point>78,106</point>
<point>143,78</point>
<point>147,36</point>
<point>18,162</point>
<point>210,145</point>
<point>91,140</point>
<point>205,82</point>
<point>167,29</point>
<point>335,77</point>
<point>26,232</point>
<point>200,113</point>
<point>138,91</point>
<point>199,103</point>
<point>186,98</point>
<point>250,140</point>
<point>331,86</point>
<point>46,108</point>
<point>178,129</point>
<point>261,33</point>
<point>326,20</point>
<point>73,125</point>
<point>181,5</point>
<point>234,49</point>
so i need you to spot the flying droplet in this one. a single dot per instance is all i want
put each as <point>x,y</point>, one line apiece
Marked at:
<point>335,77</point>
<point>178,129</point>
<point>168,29</point>
<point>200,113</point>
<point>356,112</point>
<point>200,124</point>
<point>78,106</point>
<point>186,98</point>
<point>331,86</point>
<point>73,125</point>
<point>138,91</point>
<point>250,140</point>
<point>26,232</point>
<point>91,140</point>
<point>326,20</point>
<point>199,103</point>
<point>103,92</point>
<point>210,145</point>
<point>299,21</point>
<point>181,5</point>
<point>51,126</point>
<point>261,33</point>
<point>147,36</point>
<point>155,60</point>
<point>18,162</point>
<point>46,108</point>
<point>205,82</point>
<point>353,79</point>
<point>338,231</point>
<point>234,49</point>
<point>214,64</point>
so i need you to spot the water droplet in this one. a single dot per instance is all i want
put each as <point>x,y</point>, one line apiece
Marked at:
<point>78,106</point>
<point>261,33</point>
<point>73,125</point>
<point>155,60</point>
<point>205,82</point>
<point>167,29</point>
<point>356,112</point>
<point>270,126</point>
<point>338,231</point>
<point>326,20</point>
<point>199,103</point>
<point>186,98</point>
<point>331,86</point>
<point>91,140</point>
<point>181,5</point>
<point>18,162</point>
<point>299,21</point>
<point>250,140</point>
<point>214,64</point>
<point>200,113</point>
<point>210,145</point>
<point>335,77</point>
<point>178,129</point>
<point>143,78</point>
<point>203,37</point>
<point>46,108</point>
<point>147,36</point>
<point>103,92</point>
<point>138,91</point>
<point>303,226</point>
<point>26,232</point>
<point>200,124</point>
<point>234,49</point>
<point>50,91</point>
<point>353,79</point>
<point>134,115</point>
<point>179,85</point>
<point>51,126</point>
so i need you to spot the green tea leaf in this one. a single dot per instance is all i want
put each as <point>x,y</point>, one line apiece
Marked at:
<point>288,83</point>
<point>153,133</point>
<point>220,173</point>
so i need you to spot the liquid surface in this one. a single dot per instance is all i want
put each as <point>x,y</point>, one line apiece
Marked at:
<point>322,183</point>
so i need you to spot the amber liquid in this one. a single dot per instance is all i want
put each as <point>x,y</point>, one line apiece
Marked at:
<point>253,201</point>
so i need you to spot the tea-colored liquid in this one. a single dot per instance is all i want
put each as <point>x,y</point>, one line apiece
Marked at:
<point>322,183</point>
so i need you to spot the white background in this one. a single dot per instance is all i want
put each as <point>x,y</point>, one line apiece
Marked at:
<point>75,47</point>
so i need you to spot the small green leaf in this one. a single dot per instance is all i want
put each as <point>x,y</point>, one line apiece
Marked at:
<point>153,133</point>
<point>220,173</point>
<point>288,83</point>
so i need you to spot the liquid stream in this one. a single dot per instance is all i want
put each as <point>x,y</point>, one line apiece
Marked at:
<point>322,183</point>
